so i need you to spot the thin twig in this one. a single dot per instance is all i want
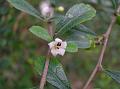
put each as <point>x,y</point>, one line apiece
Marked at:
<point>45,71</point>
<point>98,67</point>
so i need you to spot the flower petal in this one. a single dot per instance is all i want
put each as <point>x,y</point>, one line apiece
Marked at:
<point>61,52</point>
<point>58,40</point>
<point>54,52</point>
<point>64,45</point>
<point>51,44</point>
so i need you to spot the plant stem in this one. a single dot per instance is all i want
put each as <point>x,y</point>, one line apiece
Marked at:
<point>45,71</point>
<point>46,67</point>
<point>98,66</point>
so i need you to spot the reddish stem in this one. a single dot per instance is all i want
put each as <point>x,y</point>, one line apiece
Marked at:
<point>100,60</point>
<point>45,71</point>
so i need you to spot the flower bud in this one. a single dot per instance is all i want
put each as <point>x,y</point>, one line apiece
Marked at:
<point>46,9</point>
<point>60,8</point>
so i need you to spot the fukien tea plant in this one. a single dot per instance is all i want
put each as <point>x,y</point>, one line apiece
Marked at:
<point>63,34</point>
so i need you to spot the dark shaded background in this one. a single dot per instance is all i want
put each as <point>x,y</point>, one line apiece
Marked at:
<point>18,47</point>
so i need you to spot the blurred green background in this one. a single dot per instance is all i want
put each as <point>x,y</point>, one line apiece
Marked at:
<point>18,47</point>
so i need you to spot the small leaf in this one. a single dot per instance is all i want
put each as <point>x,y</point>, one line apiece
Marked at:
<point>114,74</point>
<point>56,75</point>
<point>71,47</point>
<point>80,39</point>
<point>25,7</point>
<point>41,32</point>
<point>76,15</point>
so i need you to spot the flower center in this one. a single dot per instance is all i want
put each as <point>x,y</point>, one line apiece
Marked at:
<point>58,44</point>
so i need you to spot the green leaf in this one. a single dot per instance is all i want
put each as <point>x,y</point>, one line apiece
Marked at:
<point>80,39</point>
<point>114,75</point>
<point>25,7</point>
<point>114,3</point>
<point>118,20</point>
<point>76,15</point>
<point>57,18</point>
<point>79,9</point>
<point>71,47</point>
<point>56,75</point>
<point>41,32</point>
<point>39,64</point>
<point>55,2</point>
<point>84,29</point>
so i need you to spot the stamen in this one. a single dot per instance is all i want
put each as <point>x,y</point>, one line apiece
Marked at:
<point>57,47</point>
<point>58,44</point>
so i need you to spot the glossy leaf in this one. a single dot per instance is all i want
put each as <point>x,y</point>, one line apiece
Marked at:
<point>79,9</point>
<point>114,75</point>
<point>24,6</point>
<point>80,39</point>
<point>57,18</point>
<point>84,29</point>
<point>56,75</point>
<point>76,15</point>
<point>71,47</point>
<point>41,32</point>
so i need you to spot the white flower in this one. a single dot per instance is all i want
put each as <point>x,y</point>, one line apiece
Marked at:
<point>58,47</point>
<point>46,9</point>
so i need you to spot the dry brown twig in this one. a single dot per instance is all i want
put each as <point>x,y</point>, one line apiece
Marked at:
<point>98,66</point>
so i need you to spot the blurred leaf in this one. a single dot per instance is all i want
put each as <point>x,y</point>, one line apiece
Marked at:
<point>79,13</point>
<point>84,29</point>
<point>25,7</point>
<point>56,75</point>
<point>114,3</point>
<point>4,63</point>
<point>40,32</point>
<point>3,10</point>
<point>80,39</point>
<point>71,47</point>
<point>118,19</point>
<point>3,42</point>
<point>114,74</point>
<point>54,2</point>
